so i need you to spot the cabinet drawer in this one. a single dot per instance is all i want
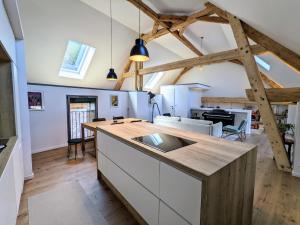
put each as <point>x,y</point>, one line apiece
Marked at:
<point>144,202</point>
<point>142,167</point>
<point>181,192</point>
<point>168,217</point>
<point>102,163</point>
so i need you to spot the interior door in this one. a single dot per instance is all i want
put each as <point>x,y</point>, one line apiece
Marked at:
<point>181,100</point>
<point>168,93</point>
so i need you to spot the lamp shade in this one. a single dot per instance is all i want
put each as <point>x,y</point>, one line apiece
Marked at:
<point>139,52</point>
<point>111,75</point>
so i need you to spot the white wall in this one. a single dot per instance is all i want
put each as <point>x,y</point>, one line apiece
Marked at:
<point>7,36</point>
<point>226,79</point>
<point>49,127</point>
<point>24,117</point>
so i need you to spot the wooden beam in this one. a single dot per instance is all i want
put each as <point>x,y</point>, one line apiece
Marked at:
<point>201,60</point>
<point>282,52</point>
<point>171,18</point>
<point>187,43</point>
<point>278,94</point>
<point>182,72</point>
<point>285,54</point>
<point>260,94</point>
<point>193,18</point>
<point>152,14</point>
<point>213,19</point>
<point>272,83</point>
<point>122,78</point>
<point>227,100</point>
<point>155,28</point>
<point>150,36</point>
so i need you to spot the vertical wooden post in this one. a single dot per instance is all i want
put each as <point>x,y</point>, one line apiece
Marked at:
<point>260,94</point>
<point>138,79</point>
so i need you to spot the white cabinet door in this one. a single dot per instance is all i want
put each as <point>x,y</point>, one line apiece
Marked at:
<point>102,165</point>
<point>142,167</point>
<point>167,216</point>
<point>8,205</point>
<point>181,100</point>
<point>168,99</point>
<point>145,203</point>
<point>181,192</point>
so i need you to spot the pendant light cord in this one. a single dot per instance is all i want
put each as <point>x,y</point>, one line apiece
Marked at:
<point>111,37</point>
<point>139,21</point>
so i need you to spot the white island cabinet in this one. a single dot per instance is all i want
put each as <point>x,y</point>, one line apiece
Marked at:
<point>193,185</point>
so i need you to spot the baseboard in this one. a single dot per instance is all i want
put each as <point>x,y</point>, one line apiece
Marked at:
<point>31,176</point>
<point>44,149</point>
<point>296,173</point>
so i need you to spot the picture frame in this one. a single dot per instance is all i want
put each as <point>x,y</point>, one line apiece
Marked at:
<point>114,101</point>
<point>35,100</point>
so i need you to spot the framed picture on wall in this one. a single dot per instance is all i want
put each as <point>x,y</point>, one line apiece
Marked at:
<point>35,100</point>
<point>114,100</point>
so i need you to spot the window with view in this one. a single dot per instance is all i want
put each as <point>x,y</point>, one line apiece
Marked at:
<point>77,59</point>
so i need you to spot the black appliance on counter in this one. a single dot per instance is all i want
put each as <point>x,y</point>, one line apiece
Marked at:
<point>219,115</point>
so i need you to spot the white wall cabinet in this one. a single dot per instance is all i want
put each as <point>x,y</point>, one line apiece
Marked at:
<point>145,203</point>
<point>167,216</point>
<point>181,192</point>
<point>11,186</point>
<point>143,168</point>
<point>160,193</point>
<point>178,99</point>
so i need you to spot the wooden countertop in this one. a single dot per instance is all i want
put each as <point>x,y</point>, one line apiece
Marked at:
<point>5,154</point>
<point>94,125</point>
<point>202,159</point>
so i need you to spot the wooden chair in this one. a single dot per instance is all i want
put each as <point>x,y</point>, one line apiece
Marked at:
<point>238,130</point>
<point>118,117</point>
<point>99,119</point>
<point>74,142</point>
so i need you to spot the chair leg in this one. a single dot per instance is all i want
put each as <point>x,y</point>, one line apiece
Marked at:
<point>75,151</point>
<point>69,150</point>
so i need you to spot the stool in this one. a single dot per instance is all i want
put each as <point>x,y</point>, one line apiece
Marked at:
<point>74,142</point>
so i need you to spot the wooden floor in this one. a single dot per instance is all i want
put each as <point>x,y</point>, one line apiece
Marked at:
<point>277,194</point>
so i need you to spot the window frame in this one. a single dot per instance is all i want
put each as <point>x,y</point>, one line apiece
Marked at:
<point>82,63</point>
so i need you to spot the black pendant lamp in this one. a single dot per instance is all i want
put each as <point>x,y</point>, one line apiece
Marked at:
<point>111,74</point>
<point>139,52</point>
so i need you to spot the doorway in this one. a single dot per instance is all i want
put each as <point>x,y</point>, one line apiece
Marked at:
<point>80,109</point>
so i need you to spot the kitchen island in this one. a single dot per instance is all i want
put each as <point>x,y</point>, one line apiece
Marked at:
<point>210,181</point>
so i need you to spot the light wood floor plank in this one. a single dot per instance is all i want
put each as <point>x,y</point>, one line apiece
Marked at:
<point>276,200</point>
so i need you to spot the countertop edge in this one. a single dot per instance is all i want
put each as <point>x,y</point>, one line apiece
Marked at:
<point>160,157</point>
<point>6,153</point>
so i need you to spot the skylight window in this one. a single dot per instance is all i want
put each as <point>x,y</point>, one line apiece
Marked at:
<point>262,63</point>
<point>76,61</point>
<point>153,80</point>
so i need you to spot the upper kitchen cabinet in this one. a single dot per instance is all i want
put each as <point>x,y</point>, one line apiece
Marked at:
<point>179,99</point>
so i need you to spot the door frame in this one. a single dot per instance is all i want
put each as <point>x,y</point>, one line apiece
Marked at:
<point>69,97</point>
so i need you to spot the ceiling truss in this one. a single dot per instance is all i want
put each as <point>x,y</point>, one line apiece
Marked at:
<point>243,55</point>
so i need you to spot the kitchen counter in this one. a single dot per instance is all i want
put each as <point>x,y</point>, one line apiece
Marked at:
<point>208,182</point>
<point>5,153</point>
<point>204,158</point>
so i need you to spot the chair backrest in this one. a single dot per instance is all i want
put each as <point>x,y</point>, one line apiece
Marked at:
<point>118,117</point>
<point>167,114</point>
<point>99,119</point>
<point>242,125</point>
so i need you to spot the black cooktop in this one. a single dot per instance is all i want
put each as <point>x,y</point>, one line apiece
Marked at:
<point>163,142</point>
